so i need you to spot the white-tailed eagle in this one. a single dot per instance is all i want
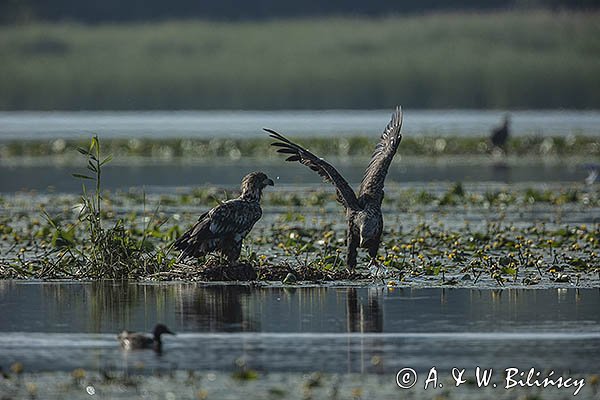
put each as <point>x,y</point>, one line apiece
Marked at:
<point>363,211</point>
<point>223,228</point>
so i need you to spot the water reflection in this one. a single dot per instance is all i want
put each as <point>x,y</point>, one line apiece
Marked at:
<point>108,307</point>
<point>363,317</point>
<point>217,309</point>
<point>163,178</point>
<point>501,172</point>
<point>346,329</point>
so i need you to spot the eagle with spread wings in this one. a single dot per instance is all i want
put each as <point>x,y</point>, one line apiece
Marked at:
<point>363,211</point>
<point>223,228</point>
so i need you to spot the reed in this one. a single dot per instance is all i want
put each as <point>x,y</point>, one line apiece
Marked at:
<point>532,59</point>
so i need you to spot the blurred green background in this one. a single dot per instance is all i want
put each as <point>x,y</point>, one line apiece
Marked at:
<point>261,55</point>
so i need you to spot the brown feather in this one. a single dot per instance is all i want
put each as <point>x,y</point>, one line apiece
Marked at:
<point>373,180</point>
<point>225,226</point>
<point>345,193</point>
<point>364,217</point>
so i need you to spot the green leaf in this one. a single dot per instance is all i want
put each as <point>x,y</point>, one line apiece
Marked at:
<point>83,151</point>
<point>81,176</point>
<point>106,160</point>
<point>62,238</point>
<point>509,271</point>
<point>49,218</point>
<point>94,143</point>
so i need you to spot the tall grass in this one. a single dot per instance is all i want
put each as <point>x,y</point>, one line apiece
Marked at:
<point>536,59</point>
<point>104,252</point>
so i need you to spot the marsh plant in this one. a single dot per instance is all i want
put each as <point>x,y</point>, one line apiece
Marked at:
<point>528,54</point>
<point>447,233</point>
<point>428,145</point>
<point>108,250</point>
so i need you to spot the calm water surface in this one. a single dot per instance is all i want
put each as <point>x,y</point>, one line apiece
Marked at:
<point>202,124</point>
<point>61,326</point>
<point>168,177</point>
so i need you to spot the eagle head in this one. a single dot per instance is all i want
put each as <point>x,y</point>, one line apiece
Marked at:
<point>254,183</point>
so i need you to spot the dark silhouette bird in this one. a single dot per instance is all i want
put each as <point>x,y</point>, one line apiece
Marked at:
<point>137,341</point>
<point>500,134</point>
<point>223,228</point>
<point>363,212</point>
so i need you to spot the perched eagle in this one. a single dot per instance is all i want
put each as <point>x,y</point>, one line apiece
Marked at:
<point>224,227</point>
<point>363,212</point>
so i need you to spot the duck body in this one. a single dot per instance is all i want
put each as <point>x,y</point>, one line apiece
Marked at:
<point>139,341</point>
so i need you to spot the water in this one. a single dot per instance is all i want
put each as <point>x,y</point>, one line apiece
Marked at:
<point>165,178</point>
<point>168,174</point>
<point>202,124</point>
<point>61,326</point>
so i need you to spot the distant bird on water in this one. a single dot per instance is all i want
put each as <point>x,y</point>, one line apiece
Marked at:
<point>137,341</point>
<point>223,228</point>
<point>363,212</point>
<point>593,173</point>
<point>500,134</point>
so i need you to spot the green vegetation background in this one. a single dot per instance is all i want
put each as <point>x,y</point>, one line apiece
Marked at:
<point>534,59</point>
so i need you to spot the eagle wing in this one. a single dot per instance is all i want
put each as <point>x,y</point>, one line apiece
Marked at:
<point>234,217</point>
<point>374,177</point>
<point>297,153</point>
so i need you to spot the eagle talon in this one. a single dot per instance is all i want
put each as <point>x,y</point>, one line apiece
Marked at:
<point>375,268</point>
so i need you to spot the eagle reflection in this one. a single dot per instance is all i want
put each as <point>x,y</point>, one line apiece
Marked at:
<point>364,317</point>
<point>219,309</point>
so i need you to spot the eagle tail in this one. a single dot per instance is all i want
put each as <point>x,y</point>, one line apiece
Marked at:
<point>194,243</point>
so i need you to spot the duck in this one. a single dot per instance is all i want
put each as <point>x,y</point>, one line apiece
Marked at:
<point>137,341</point>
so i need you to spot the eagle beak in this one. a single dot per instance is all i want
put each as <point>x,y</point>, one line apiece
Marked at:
<point>269,182</point>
